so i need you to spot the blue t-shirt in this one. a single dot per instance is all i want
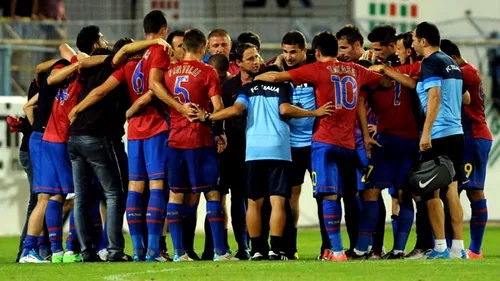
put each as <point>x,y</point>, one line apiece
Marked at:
<point>439,70</point>
<point>301,129</point>
<point>267,134</point>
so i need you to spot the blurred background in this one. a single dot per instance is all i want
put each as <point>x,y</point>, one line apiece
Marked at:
<point>31,30</point>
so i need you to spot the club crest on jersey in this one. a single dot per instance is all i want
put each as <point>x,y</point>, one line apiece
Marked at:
<point>62,95</point>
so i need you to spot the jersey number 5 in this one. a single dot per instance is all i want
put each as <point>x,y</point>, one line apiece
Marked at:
<point>180,93</point>
<point>341,99</point>
<point>138,79</point>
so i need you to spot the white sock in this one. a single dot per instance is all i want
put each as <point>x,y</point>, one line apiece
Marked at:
<point>440,245</point>
<point>397,251</point>
<point>457,245</point>
<point>70,253</point>
<point>338,254</point>
<point>358,252</point>
<point>58,254</point>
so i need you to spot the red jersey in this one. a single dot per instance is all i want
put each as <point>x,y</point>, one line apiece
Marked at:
<point>338,82</point>
<point>393,107</point>
<point>233,69</point>
<point>66,98</point>
<point>150,121</point>
<point>473,118</point>
<point>196,82</point>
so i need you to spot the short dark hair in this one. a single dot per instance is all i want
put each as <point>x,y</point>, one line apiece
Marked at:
<point>249,37</point>
<point>407,38</point>
<point>450,48</point>
<point>120,43</point>
<point>294,38</point>
<point>154,21</point>
<point>383,33</point>
<point>218,32</point>
<point>365,63</point>
<point>175,33</point>
<point>326,43</point>
<point>350,33</point>
<point>428,31</point>
<point>194,39</point>
<point>241,48</point>
<point>219,62</point>
<point>86,38</point>
<point>272,67</point>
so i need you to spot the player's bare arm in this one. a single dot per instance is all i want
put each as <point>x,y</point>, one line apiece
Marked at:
<point>93,97</point>
<point>403,79</point>
<point>131,48</point>
<point>44,66</point>
<point>229,112</point>
<point>29,108</point>
<point>363,126</point>
<point>290,110</point>
<point>220,138</point>
<point>156,84</point>
<point>433,103</point>
<point>466,98</point>
<point>274,76</point>
<point>92,61</point>
<point>58,75</point>
<point>66,52</point>
<point>139,104</point>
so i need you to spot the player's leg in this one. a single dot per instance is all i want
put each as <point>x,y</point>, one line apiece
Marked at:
<point>72,253</point>
<point>24,158</point>
<point>238,212</point>
<point>395,211</point>
<point>155,155</point>
<point>475,162</point>
<point>256,191</point>
<point>134,208</point>
<point>178,178</point>
<point>191,202</point>
<point>326,161</point>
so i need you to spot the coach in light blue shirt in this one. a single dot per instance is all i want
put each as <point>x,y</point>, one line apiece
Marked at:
<point>440,89</point>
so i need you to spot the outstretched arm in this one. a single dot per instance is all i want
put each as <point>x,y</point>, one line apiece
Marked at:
<point>58,75</point>
<point>403,79</point>
<point>289,110</point>
<point>274,76</point>
<point>29,108</point>
<point>131,48</point>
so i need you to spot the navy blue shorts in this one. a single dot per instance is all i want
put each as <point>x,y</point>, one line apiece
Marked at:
<point>57,175</point>
<point>301,162</point>
<point>361,167</point>
<point>35,145</point>
<point>268,177</point>
<point>390,163</point>
<point>334,168</point>
<point>475,162</point>
<point>147,158</point>
<point>192,170</point>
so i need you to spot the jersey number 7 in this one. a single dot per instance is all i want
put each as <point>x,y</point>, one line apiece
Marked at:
<point>341,99</point>
<point>181,94</point>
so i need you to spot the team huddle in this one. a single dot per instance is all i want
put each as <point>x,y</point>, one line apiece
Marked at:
<point>227,122</point>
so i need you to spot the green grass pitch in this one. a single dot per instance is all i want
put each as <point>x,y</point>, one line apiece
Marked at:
<point>304,269</point>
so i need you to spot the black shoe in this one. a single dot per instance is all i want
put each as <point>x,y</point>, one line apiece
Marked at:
<point>207,256</point>
<point>392,256</point>
<point>272,256</point>
<point>124,258</point>
<point>242,255</point>
<point>354,256</point>
<point>91,258</point>
<point>193,255</point>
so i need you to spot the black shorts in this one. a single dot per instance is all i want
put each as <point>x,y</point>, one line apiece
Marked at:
<point>268,177</point>
<point>301,161</point>
<point>232,174</point>
<point>451,146</point>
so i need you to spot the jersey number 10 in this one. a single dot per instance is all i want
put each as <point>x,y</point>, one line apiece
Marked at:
<point>341,99</point>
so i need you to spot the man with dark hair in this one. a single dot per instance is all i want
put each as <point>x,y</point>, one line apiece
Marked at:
<point>383,39</point>
<point>404,50</point>
<point>174,39</point>
<point>192,162</point>
<point>440,88</point>
<point>221,65</point>
<point>219,42</point>
<point>478,141</point>
<point>249,37</point>
<point>333,142</point>
<point>155,22</point>
<point>90,38</point>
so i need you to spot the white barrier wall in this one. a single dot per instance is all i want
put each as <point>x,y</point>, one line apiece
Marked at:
<point>14,188</point>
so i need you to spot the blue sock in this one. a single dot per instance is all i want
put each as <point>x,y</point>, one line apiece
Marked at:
<point>42,244</point>
<point>97,222</point>
<point>30,243</point>
<point>53,219</point>
<point>478,224</point>
<point>405,221</point>
<point>332,215</point>
<point>134,220</point>
<point>155,219</point>
<point>216,219</point>
<point>360,203</point>
<point>238,220</point>
<point>174,219</point>
<point>394,222</point>
<point>367,225</point>
<point>71,240</point>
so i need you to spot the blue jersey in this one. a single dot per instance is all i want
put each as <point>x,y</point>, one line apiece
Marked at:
<point>439,70</point>
<point>267,134</point>
<point>301,128</point>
